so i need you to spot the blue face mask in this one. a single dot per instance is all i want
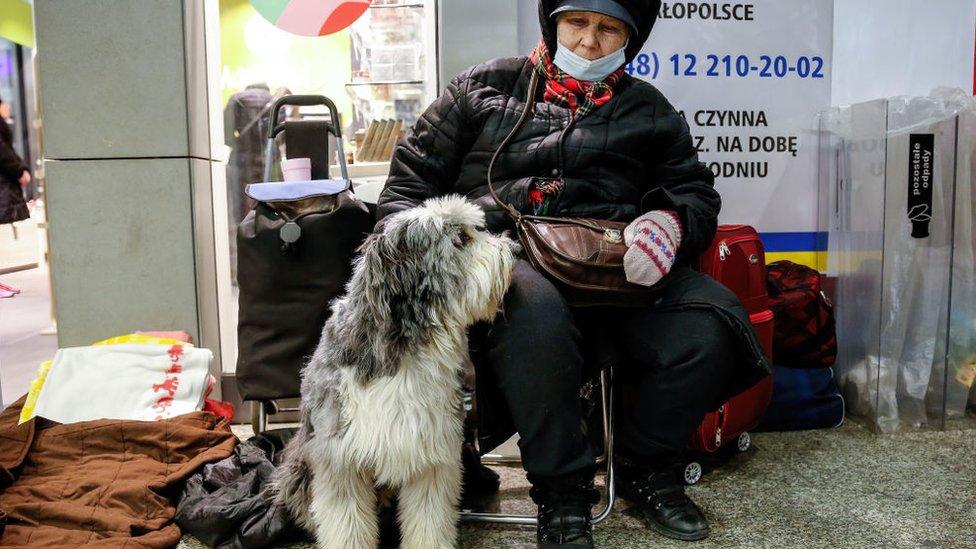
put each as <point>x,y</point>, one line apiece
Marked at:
<point>582,68</point>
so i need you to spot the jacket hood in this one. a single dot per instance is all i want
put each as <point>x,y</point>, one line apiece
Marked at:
<point>644,13</point>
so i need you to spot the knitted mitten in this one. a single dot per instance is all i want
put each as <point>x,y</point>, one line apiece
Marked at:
<point>653,240</point>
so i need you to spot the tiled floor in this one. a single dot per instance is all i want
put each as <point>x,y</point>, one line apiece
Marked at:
<point>27,335</point>
<point>26,331</point>
<point>20,242</point>
<point>844,488</point>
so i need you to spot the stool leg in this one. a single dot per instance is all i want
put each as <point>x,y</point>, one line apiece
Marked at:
<point>606,388</point>
<point>259,417</point>
<point>498,518</point>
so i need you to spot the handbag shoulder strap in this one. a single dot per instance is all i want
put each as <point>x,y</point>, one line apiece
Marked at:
<point>529,108</point>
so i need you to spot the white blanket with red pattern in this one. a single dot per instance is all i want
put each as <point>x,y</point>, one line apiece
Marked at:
<point>124,381</point>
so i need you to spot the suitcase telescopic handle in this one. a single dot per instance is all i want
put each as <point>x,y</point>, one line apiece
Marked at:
<point>335,127</point>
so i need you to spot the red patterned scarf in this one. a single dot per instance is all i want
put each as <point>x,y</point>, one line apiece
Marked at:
<point>580,97</point>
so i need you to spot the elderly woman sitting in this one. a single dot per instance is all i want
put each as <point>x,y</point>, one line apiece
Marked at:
<point>599,144</point>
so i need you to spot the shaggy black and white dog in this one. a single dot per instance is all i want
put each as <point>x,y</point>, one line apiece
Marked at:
<point>381,396</point>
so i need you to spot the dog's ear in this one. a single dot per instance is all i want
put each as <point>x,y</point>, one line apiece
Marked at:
<point>368,276</point>
<point>364,310</point>
<point>399,283</point>
<point>415,280</point>
<point>376,247</point>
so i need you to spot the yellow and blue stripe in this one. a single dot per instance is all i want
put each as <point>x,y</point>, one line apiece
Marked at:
<point>805,248</point>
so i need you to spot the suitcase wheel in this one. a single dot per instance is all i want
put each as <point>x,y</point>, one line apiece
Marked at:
<point>744,442</point>
<point>692,473</point>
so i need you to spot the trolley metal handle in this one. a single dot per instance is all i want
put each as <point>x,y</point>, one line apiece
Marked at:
<point>335,126</point>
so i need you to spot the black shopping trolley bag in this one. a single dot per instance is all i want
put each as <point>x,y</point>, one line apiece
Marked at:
<point>286,287</point>
<point>294,256</point>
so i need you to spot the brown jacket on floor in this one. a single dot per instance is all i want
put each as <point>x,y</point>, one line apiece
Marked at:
<point>105,483</point>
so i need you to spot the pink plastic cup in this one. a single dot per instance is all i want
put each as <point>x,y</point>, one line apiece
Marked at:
<point>296,169</point>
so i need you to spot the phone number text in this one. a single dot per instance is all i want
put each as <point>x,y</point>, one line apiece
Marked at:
<point>726,66</point>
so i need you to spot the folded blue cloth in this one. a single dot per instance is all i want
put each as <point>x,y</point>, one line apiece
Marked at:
<point>289,191</point>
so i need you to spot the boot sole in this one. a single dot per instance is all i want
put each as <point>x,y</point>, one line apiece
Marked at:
<point>674,534</point>
<point>570,545</point>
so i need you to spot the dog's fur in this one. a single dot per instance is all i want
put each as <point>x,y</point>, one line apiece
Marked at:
<point>381,396</point>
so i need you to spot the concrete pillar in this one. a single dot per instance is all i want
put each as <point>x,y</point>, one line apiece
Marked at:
<point>131,152</point>
<point>474,31</point>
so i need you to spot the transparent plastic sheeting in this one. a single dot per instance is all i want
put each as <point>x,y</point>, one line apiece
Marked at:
<point>896,180</point>
<point>961,364</point>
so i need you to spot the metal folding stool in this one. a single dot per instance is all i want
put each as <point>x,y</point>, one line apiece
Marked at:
<point>606,393</point>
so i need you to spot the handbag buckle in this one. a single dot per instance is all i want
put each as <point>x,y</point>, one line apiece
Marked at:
<point>613,236</point>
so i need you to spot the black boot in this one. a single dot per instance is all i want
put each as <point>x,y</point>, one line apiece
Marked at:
<point>565,505</point>
<point>660,499</point>
<point>477,479</point>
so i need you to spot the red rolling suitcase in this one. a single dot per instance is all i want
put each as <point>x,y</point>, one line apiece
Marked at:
<point>737,259</point>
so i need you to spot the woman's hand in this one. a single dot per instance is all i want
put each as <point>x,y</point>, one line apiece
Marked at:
<point>653,240</point>
<point>25,179</point>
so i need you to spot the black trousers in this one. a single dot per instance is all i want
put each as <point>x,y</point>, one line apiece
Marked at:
<point>676,363</point>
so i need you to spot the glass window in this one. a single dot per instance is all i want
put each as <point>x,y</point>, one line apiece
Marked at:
<point>382,69</point>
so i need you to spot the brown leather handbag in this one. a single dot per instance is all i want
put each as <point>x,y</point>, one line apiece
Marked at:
<point>584,258</point>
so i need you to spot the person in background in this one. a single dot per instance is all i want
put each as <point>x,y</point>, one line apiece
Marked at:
<point>599,144</point>
<point>14,174</point>
<point>245,132</point>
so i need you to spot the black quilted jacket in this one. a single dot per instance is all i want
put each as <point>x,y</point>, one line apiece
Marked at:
<point>629,156</point>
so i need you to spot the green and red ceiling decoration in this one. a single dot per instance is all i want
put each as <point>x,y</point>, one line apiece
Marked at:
<point>311,17</point>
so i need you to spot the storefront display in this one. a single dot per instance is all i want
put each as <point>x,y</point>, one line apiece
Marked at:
<point>382,67</point>
<point>380,71</point>
<point>391,68</point>
<point>898,178</point>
